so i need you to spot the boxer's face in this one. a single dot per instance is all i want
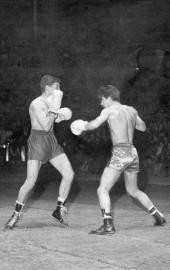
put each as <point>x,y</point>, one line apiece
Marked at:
<point>51,88</point>
<point>105,102</point>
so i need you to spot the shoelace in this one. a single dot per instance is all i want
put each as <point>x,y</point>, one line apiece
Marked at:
<point>16,214</point>
<point>63,211</point>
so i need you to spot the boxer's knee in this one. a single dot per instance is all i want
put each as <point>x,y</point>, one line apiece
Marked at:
<point>133,192</point>
<point>69,175</point>
<point>101,189</point>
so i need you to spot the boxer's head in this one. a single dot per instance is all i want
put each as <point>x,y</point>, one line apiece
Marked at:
<point>107,94</point>
<point>109,91</point>
<point>49,81</point>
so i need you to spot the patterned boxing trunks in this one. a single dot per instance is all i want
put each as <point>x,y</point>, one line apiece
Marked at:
<point>43,146</point>
<point>124,158</point>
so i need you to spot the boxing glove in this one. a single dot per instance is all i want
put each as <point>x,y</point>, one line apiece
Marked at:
<point>63,114</point>
<point>54,101</point>
<point>78,126</point>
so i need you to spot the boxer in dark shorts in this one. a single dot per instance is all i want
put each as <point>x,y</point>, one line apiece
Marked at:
<point>124,157</point>
<point>43,146</point>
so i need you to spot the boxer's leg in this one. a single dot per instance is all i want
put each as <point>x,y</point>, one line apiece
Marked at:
<point>133,190</point>
<point>62,164</point>
<point>33,167</point>
<point>108,180</point>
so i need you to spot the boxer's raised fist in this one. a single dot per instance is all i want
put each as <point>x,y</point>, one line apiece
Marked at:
<point>63,114</point>
<point>54,101</point>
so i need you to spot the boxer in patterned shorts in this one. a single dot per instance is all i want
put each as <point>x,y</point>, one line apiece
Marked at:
<point>122,121</point>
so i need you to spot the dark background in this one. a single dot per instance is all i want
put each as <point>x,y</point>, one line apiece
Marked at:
<point>87,44</point>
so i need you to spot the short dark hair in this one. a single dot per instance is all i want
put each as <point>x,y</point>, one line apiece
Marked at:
<point>48,80</point>
<point>109,91</point>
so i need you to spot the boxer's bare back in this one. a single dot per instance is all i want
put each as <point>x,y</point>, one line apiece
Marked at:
<point>122,121</point>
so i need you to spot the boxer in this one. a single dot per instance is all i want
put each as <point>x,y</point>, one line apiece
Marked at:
<point>122,121</point>
<point>43,147</point>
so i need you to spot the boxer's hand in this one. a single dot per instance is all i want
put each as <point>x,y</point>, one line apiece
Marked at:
<point>57,93</point>
<point>78,126</point>
<point>54,101</point>
<point>63,114</point>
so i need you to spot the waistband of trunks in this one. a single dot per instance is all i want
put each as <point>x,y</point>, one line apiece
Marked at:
<point>123,144</point>
<point>41,132</point>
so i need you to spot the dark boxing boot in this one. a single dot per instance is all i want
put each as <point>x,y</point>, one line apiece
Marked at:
<point>60,214</point>
<point>107,228</point>
<point>158,216</point>
<point>159,219</point>
<point>12,221</point>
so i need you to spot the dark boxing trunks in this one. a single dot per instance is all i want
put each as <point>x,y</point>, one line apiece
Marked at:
<point>124,158</point>
<point>43,146</point>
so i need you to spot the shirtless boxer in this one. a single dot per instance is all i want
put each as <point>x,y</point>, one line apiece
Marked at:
<point>43,147</point>
<point>122,121</point>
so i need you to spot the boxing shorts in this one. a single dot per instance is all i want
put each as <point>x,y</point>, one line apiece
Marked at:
<point>43,146</point>
<point>124,158</point>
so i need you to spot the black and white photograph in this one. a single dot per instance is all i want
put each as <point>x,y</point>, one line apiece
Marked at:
<point>84,134</point>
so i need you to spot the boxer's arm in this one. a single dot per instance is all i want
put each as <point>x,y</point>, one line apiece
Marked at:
<point>44,118</point>
<point>63,114</point>
<point>97,122</point>
<point>54,101</point>
<point>140,124</point>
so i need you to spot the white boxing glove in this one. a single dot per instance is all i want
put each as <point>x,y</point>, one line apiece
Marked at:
<point>63,114</point>
<point>54,101</point>
<point>78,126</point>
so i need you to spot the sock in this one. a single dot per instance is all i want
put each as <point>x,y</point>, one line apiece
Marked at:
<point>155,212</point>
<point>107,215</point>
<point>61,201</point>
<point>152,210</point>
<point>18,206</point>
